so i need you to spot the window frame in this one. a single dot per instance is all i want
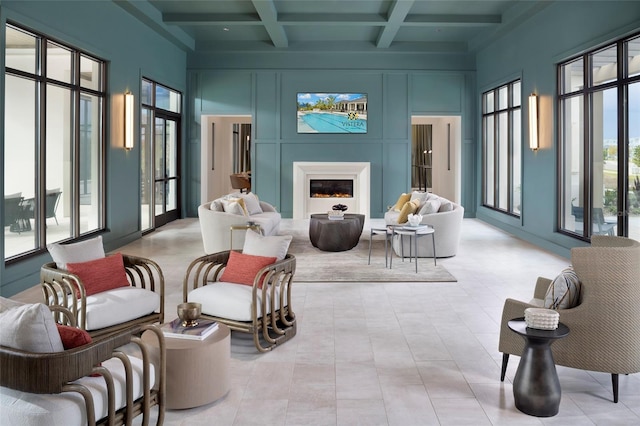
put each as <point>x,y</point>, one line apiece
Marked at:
<point>495,114</point>
<point>588,89</point>
<point>76,92</point>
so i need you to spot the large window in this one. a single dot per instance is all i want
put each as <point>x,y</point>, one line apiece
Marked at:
<point>54,142</point>
<point>599,150</point>
<point>502,148</point>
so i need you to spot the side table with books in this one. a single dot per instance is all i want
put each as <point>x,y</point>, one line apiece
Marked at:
<point>197,363</point>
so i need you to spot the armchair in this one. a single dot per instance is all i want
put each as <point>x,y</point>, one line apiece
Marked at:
<point>262,309</point>
<point>605,326</point>
<point>63,388</point>
<point>113,310</point>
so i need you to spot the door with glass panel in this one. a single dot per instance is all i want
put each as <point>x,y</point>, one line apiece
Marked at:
<point>165,170</point>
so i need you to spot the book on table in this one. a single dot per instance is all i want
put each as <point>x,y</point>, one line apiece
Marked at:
<point>201,331</point>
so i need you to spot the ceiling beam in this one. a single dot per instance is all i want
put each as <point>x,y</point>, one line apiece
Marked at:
<point>196,19</point>
<point>452,20</point>
<point>269,16</point>
<point>397,14</point>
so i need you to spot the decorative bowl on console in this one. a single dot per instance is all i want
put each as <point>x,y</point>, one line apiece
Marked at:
<point>340,207</point>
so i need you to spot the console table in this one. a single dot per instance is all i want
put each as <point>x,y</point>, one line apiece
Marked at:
<point>536,388</point>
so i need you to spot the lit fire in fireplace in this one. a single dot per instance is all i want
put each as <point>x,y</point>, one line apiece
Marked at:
<point>331,188</point>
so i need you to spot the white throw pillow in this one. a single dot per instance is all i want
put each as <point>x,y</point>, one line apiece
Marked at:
<point>564,291</point>
<point>234,206</point>
<point>251,203</point>
<point>270,246</point>
<point>82,251</point>
<point>216,205</point>
<point>28,327</point>
<point>430,207</point>
<point>420,196</point>
<point>445,206</point>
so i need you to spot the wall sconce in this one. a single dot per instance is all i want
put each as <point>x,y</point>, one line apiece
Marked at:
<point>128,121</point>
<point>533,122</point>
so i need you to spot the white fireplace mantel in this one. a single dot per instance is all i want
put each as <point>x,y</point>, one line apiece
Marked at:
<point>303,172</point>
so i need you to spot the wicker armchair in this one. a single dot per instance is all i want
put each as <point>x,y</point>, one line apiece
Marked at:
<point>60,288</point>
<point>605,327</point>
<point>277,324</point>
<point>52,382</point>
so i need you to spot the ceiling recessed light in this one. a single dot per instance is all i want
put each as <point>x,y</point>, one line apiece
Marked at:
<point>225,29</point>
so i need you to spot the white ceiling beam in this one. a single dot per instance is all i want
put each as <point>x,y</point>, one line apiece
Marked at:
<point>269,16</point>
<point>397,14</point>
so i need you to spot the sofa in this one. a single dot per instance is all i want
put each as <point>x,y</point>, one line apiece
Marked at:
<point>444,215</point>
<point>236,209</point>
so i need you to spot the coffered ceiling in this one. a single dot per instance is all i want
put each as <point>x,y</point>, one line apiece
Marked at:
<point>333,25</point>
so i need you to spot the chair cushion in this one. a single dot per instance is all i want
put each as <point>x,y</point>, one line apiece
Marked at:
<point>251,202</point>
<point>67,408</point>
<point>120,305</point>
<point>229,300</point>
<point>72,337</point>
<point>243,268</point>
<point>409,207</point>
<point>234,206</point>
<point>258,245</point>
<point>28,327</point>
<point>82,251</point>
<point>402,200</point>
<point>564,291</point>
<point>100,275</point>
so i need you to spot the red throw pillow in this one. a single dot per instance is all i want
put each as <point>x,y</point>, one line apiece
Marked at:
<point>242,268</point>
<point>73,337</point>
<point>101,274</point>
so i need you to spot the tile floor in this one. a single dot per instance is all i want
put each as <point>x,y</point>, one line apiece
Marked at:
<point>393,353</point>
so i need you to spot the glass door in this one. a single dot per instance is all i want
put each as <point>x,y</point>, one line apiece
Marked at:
<point>166,176</point>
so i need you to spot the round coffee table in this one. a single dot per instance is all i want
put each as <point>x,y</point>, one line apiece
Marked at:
<point>335,235</point>
<point>197,370</point>
<point>536,388</point>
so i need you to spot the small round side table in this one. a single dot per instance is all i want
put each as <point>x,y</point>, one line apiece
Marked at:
<point>536,388</point>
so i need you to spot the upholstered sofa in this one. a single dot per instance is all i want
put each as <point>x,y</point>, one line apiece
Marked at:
<point>218,216</point>
<point>444,215</point>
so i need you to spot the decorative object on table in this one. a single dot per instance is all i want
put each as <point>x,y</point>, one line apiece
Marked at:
<point>414,219</point>
<point>188,313</point>
<point>200,331</point>
<point>340,207</point>
<point>335,214</point>
<point>541,318</point>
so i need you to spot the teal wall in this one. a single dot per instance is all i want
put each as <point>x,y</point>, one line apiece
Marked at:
<point>531,52</point>
<point>131,50</point>
<point>269,96</point>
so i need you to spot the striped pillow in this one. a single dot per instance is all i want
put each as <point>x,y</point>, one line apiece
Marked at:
<point>564,291</point>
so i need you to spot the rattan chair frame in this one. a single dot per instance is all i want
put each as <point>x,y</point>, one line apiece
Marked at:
<point>53,373</point>
<point>275,328</point>
<point>60,287</point>
<point>605,327</point>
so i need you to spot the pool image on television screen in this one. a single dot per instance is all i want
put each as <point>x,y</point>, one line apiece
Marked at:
<point>332,112</point>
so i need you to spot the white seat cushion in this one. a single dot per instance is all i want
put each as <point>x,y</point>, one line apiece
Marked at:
<point>68,408</point>
<point>119,305</point>
<point>228,300</point>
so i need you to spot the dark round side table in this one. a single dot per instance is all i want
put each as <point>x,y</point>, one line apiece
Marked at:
<point>335,235</point>
<point>536,388</point>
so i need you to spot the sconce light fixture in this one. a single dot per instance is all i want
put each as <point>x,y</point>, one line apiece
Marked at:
<point>128,121</point>
<point>533,122</point>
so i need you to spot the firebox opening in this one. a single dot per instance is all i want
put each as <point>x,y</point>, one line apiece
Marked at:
<point>331,188</point>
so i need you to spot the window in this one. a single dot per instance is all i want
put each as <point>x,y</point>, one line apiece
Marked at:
<point>599,134</point>
<point>54,142</point>
<point>160,121</point>
<point>502,148</point>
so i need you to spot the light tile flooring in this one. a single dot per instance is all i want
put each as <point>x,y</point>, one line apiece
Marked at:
<point>393,353</point>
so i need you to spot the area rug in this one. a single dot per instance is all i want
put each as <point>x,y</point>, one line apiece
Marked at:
<point>315,265</point>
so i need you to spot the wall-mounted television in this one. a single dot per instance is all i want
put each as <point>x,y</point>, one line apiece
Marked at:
<point>332,112</point>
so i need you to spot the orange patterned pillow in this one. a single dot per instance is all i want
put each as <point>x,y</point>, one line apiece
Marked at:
<point>101,274</point>
<point>242,268</point>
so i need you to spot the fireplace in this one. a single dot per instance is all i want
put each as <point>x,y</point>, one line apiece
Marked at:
<point>318,186</point>
<point>331,188</point>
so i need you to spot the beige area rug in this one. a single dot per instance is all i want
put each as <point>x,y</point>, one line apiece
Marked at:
<point>315,265</point>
